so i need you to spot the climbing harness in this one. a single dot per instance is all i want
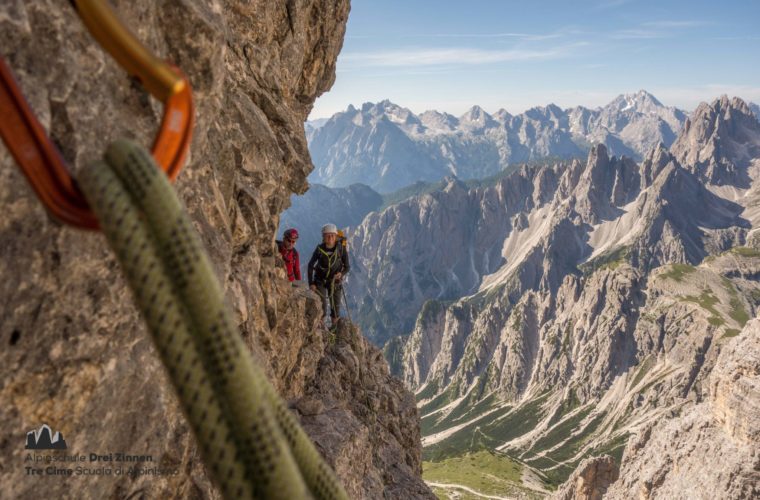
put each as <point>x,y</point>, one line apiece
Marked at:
<point>39,159</point>
<point>331,259</point>
<point>250,441</point>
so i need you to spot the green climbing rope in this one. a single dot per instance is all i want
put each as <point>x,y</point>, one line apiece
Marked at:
<point>252,445</point>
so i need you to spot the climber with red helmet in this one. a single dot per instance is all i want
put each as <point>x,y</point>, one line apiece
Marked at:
<point>287,248</point>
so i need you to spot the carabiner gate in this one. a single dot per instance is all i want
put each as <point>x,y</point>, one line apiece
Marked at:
<point>39,159</point>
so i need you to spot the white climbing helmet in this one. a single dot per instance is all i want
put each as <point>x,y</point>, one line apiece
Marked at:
<point>329,228</point>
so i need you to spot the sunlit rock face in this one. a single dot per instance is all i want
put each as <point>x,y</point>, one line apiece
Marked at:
<point>574,309</point>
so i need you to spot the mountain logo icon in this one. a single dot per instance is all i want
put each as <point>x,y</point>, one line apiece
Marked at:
<point>44,439</point>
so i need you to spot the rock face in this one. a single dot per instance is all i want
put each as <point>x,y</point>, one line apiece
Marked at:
<point>75,353</point>
<point>595,300</point>
<point>719,141</point>
<point>388,147</point>
<point>530,230</point>
<point>389,297</point>
<point>710,451</point>
<point>755,109</point>
<point>351,402</point>
<point>590,480</point>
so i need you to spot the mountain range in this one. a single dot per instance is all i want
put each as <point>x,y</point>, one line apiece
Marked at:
<point>566,309</point>
<point>388,147</point>
<point>582,308</point>
<point>571,306</point>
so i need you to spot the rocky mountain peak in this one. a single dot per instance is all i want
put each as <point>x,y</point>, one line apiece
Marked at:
<point>553,109</point>
<point>605,184</point>
<point>475,113</point>
<point>641,101</point>
<point>597,168</point>
<point>438,121</point>
<point>755,108</point>
<point>653,164</point>
<point>392,112</point>
<point>598,157</point>
<point>547,116</point>
<point>502,115</point>
<point>719,140</point>
<point>476,118</point>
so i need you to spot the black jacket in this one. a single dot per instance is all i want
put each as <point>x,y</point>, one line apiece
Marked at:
<point>325,263</point>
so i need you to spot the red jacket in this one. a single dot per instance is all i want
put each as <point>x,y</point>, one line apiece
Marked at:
<point>292,261</point>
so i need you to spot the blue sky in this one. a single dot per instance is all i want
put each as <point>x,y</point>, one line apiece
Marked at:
<point>449,55</point>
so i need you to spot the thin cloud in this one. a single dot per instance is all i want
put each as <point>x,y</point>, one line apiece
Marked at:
<point>656,29</point>
<point>521,36</point>
<point>733,38</point>
<point>675,24</point>
<point>453,56</point>
<point>638,34</point>
<point>612,4</point>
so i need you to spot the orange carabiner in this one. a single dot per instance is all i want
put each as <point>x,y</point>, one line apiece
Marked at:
<point>39,159</point>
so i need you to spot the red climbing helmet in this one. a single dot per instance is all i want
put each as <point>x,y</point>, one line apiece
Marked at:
<point>291,234</point>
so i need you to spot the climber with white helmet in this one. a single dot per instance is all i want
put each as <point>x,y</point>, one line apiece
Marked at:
<point>327,267</point>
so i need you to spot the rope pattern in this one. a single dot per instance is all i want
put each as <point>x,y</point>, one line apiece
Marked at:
<point>251,443</point>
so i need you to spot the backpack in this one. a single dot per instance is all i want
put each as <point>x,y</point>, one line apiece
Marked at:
<point>342,239</point>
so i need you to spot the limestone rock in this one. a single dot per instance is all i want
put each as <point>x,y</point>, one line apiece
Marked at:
<point>719,140</point>
<point>617,287</point>
<point>530,229</point>
<point>590,480</point>
<point>365,408</point>
<point>710,451</point>
<point>75,353</point>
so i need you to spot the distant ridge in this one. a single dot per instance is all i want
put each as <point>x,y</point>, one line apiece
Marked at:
<point>388,147</point>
